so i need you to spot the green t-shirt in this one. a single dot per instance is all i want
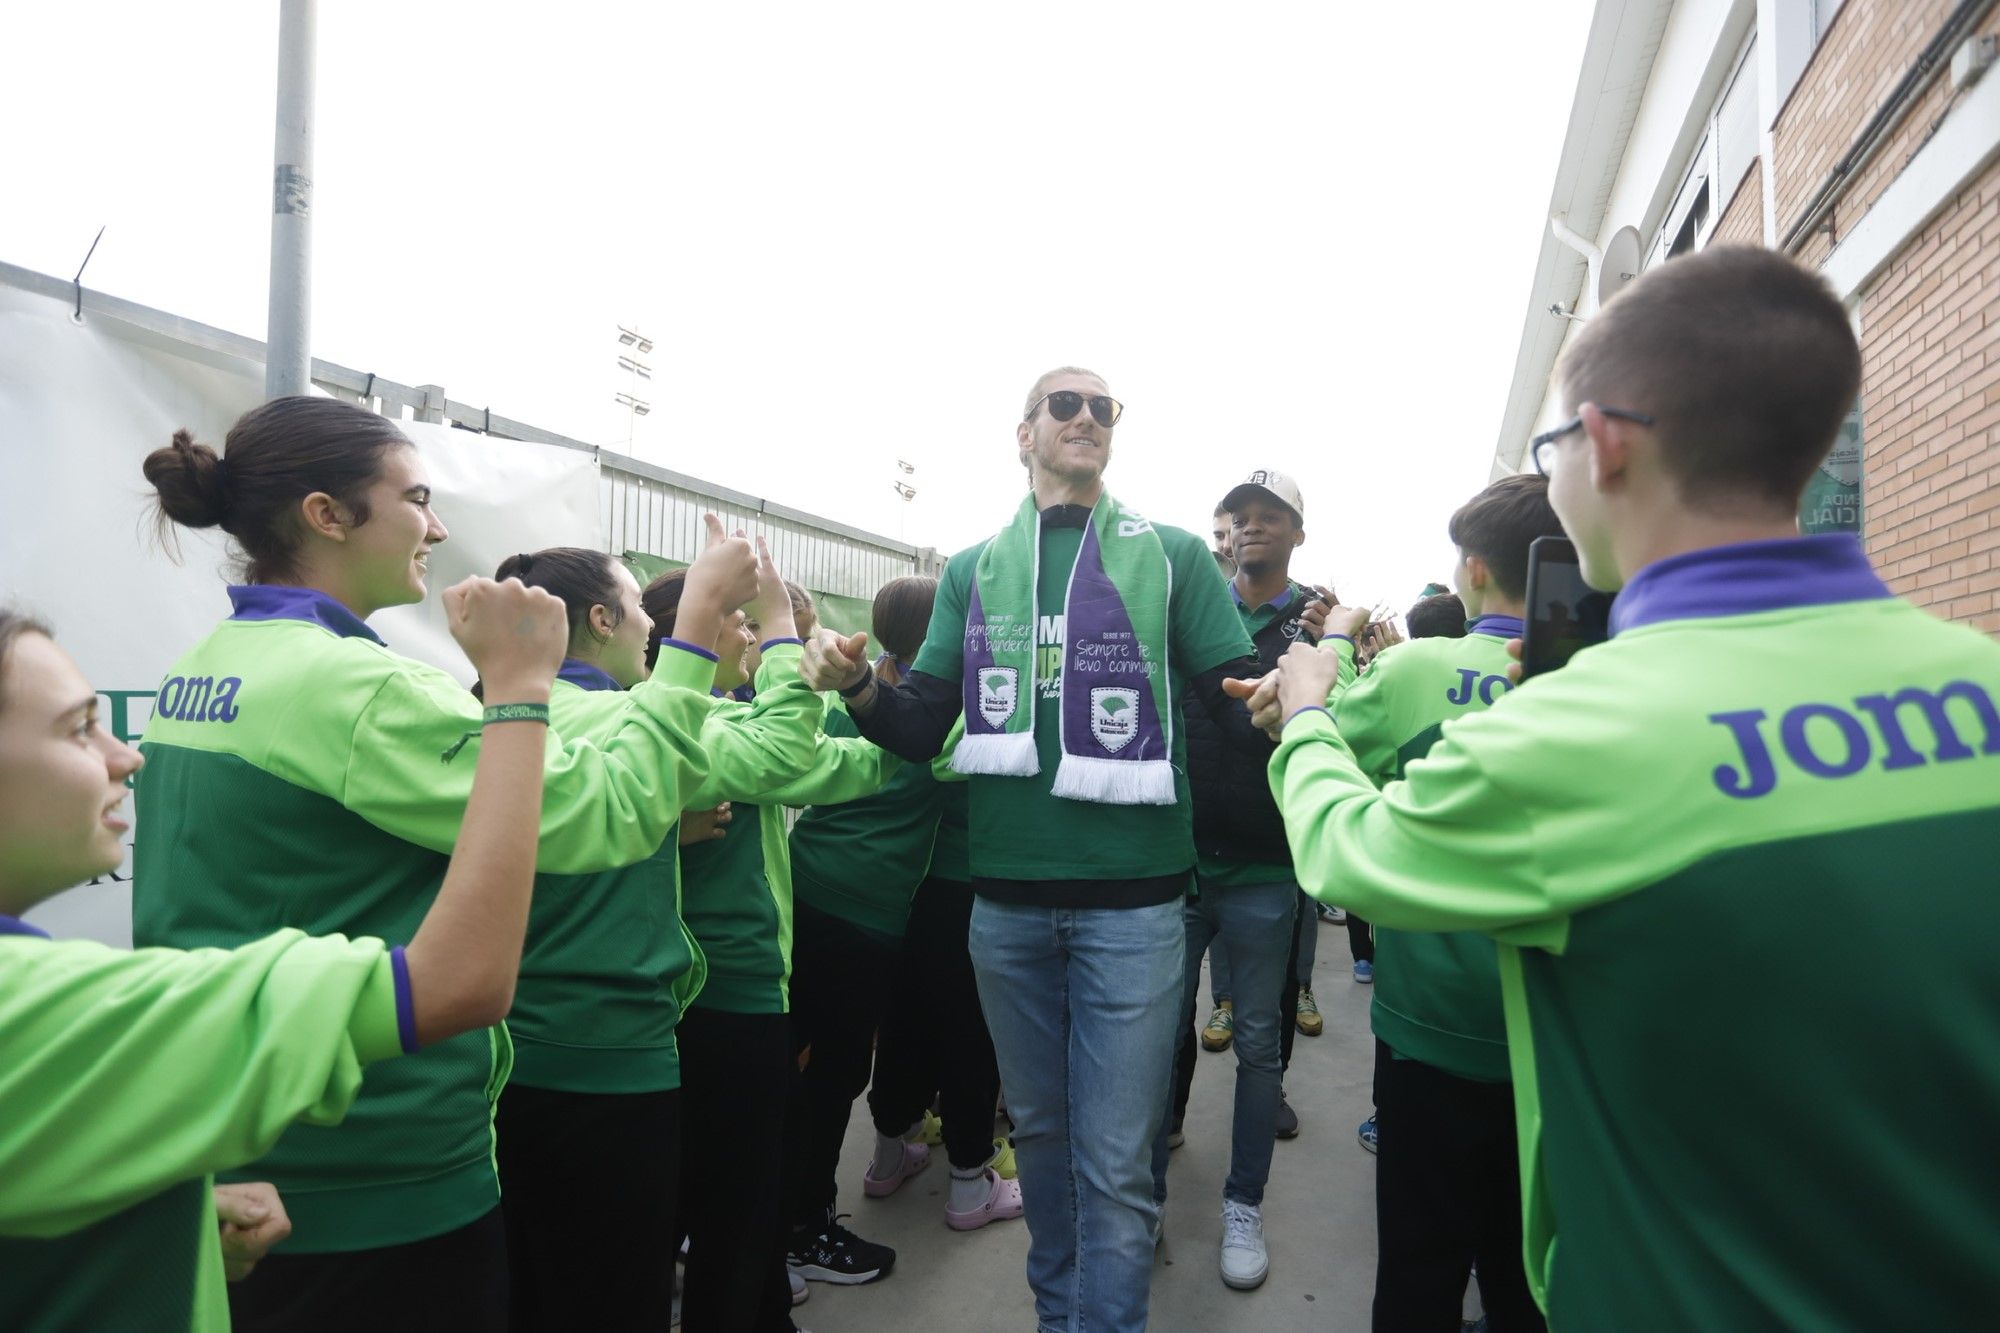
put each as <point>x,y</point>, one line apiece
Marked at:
<point>1672,839</point>
<point>1437,994</point>
<point>1018,829</point>
<point>126,1078</point>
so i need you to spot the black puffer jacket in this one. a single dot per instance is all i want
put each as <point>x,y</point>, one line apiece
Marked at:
<point>1235,816</point>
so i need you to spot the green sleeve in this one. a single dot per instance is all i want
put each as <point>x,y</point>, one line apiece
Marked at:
<point>845,768</point>
<point>943,653</point>
<point>1444,849</point>
<point>1206,627</point>
<point>122,1073</point>
<point>605,804</point>
<point>756,747</point>
<point>1365,714</point>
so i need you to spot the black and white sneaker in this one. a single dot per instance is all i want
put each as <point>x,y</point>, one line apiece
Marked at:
<point>837,1255</point>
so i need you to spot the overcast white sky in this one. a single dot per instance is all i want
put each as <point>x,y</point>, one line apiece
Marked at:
<point>1296,236</point>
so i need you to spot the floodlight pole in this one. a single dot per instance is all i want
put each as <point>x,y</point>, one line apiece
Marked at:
<point>288,343</point>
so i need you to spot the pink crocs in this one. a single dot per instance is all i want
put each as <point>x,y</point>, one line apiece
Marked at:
<point>915,1158</point>
<point>1003,1200</point>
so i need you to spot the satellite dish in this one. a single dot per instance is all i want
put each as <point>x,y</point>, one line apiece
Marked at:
<point>1620,264</point>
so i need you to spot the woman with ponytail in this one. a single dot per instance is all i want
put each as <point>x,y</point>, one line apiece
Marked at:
<point>590,1123</point>
<point>302,774</point>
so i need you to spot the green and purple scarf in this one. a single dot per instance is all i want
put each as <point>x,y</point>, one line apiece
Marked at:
<point>1114,684</point>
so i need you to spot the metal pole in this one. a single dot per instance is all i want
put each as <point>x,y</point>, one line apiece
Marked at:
<point>288,348</point>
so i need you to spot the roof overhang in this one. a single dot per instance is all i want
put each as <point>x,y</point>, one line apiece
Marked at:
<point>1617,64</point>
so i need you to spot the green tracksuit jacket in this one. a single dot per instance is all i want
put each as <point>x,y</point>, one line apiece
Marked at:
<point>127,1077</point>
<point>1437,995</point>
<point>610,964</point>
<point>296,775</point>
<point>737,891</point>
<point>1740,863</point>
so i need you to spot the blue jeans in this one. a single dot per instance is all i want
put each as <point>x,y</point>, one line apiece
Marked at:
<point>1084,1006</point>
<point>1254,923</point>
<point>1218,957</point>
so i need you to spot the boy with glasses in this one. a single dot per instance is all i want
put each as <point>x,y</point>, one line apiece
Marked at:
<point>1668,838</point>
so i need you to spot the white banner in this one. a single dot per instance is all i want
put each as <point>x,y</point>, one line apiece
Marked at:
<point>80,408</point>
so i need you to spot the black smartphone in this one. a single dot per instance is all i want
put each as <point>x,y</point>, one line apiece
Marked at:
<point>1564,613</point>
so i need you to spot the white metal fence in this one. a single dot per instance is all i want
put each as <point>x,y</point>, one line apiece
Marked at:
<point>645,508</point>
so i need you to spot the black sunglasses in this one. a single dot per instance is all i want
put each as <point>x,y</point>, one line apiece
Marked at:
<point>1538,446</point>
<point>1064,404</point>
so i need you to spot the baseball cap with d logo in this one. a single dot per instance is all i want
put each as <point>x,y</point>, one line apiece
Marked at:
<point>1269,485</point>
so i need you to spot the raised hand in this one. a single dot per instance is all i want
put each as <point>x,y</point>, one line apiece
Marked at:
<point>1305,677</point>
<point>833,661</point>
<point>1260,696</point>
<point>722,578</point>
<point>771,608</point>
<point>1345,621</point>
<point>515,636</point>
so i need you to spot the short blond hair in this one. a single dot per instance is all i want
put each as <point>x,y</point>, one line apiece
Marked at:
<point>1041,385</point>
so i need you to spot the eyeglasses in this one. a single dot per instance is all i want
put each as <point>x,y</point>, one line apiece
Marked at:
<point>1538,448</point>
<point>1064,404</point>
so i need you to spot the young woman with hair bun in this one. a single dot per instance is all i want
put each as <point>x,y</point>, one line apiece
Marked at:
<point>301,773</point>
<point>127,1077</point>
<point>590,1123</point>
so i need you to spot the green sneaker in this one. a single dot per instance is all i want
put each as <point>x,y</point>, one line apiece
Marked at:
<point>930,1132</point>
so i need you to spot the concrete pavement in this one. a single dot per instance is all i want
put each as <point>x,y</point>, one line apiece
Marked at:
<point>1319,1210</point>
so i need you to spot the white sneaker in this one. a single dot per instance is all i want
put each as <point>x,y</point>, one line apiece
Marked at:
<point>1245,1262</point>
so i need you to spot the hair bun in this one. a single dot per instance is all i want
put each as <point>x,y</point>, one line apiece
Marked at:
<point>191,482</point>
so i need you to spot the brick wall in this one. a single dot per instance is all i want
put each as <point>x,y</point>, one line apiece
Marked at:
<point>1870,46</point>
<point>1930,410</point>
<point>1742,223</point>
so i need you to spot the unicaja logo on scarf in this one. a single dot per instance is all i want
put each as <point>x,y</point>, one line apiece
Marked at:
<point>1114,717</point>
<point>999,690</point>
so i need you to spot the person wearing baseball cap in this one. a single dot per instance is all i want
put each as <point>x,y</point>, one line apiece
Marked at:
<point>1247,903</point>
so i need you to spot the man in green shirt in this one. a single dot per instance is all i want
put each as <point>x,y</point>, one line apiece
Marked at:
<point>1069,642</point>
<point>1671,836</point>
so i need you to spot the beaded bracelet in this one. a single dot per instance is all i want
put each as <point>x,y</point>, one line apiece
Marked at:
<point>499,713</point>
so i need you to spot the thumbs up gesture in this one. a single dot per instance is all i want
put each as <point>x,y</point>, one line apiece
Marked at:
<point>834,661</point>
<point>726,569</point>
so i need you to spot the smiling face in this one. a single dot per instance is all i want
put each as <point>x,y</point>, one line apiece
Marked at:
<point>736,653</point>
<point>385,559</point>
<point>62,777</point>
<point>1076,452</point>
<point>621,651</point>
<point>1262,536</point>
